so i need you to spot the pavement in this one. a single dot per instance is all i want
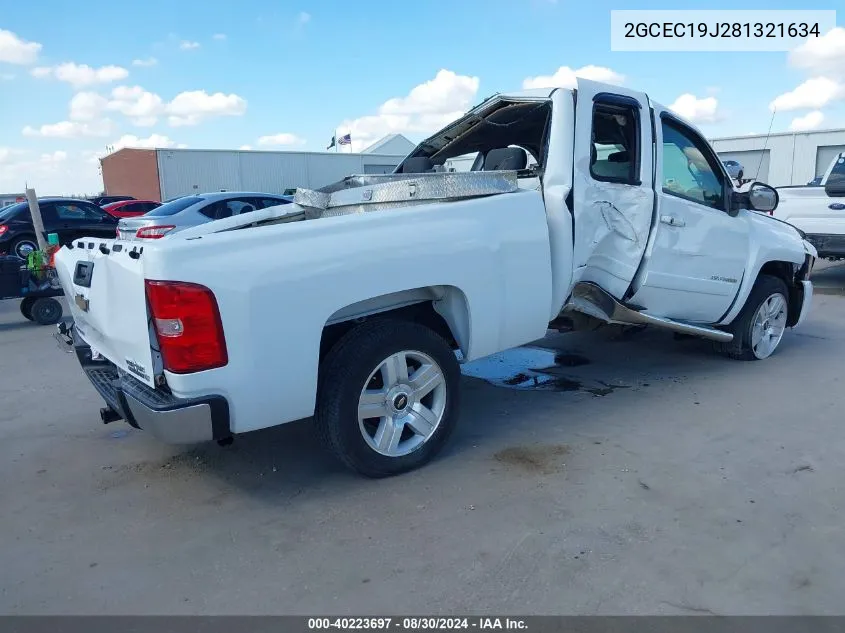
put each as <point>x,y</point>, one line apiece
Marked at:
<point>650,477</point>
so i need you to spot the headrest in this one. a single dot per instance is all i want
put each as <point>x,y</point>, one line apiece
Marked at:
<point>418,165</point>
<point>619,157</point>
<point>505,158</point>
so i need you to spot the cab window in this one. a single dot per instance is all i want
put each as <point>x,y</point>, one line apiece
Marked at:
<point>688,170</point>
<point>615,144</point>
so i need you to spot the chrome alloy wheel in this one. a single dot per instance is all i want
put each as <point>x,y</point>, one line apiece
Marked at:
<point>768,325</point>
<point>402,403</point>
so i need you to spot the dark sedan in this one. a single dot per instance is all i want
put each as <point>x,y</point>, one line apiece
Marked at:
<point>67,217</point>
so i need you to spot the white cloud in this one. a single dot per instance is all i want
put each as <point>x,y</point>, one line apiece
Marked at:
<point>245,147</point>
<point>54,157</point>
<point>81,75</point>
<point>141,106</point>
<point>303,18</point>
<point>152,141</point>
<point>187,45</point>
<point>87,106</point>
<point>145,63</point>
<point>14,50</point>
<point>191,107</point>
<point>822,55</point>
<point>427,108</point>
<point>219,36</point>
<point>71,129</point>
<point>809,121</point>
<point>565,77</point>
<point>53,173</point>
<point>705,110</point>
<point>7,154</point>
<point>813,93</point>
<point>284,138</point>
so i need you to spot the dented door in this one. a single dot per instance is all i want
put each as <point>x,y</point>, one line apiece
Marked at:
<point>612,187</point>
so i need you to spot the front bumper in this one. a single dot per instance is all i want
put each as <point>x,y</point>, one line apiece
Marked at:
<point>168,418</point>
<point>827,245</point>
<point>806,301</point>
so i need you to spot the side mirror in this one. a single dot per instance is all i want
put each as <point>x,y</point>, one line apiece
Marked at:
<point>835,189</point>
<point>758,197</point>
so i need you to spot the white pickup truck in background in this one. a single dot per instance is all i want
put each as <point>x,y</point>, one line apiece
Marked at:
<point>819,211</point>
<point>351,304</point>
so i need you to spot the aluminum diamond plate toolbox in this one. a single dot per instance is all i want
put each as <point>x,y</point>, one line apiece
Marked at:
<point>372,192</point>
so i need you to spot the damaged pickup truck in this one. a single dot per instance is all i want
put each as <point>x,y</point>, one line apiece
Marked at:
<point>354,304</point>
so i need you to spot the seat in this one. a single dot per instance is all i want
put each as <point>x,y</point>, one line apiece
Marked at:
<point>506,158</point>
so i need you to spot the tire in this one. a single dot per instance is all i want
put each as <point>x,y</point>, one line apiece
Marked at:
<point>23,245</point>
<point>418,421</point>
<point>26,307</point>
<point>769,294</point>
<point>46,311</point>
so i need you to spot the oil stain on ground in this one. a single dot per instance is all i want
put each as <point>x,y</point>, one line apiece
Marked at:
<point>536,368</point>
<point>539,459</point>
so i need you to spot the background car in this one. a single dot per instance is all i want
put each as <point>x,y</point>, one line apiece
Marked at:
<point>735,170</point>
<point>188,211</point>
<point>130,208</point>
<point>68,217</point>
<point>101,200</point>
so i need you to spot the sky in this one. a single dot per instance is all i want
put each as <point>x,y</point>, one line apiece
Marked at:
<point>78,79</point>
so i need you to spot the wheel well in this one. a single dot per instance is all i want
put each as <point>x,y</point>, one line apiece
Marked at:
<point>786,271</point>
<point>422,313</point>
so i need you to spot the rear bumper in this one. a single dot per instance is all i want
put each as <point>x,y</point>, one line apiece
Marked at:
<point>168,418</point>
<point>828,245</point>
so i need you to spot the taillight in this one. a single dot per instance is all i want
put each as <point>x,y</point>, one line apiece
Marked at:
<point>154,232</point>
<point>3,228</point>
<point>187,320</point>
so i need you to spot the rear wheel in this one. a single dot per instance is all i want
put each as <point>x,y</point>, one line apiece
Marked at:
<point>388,397</point>
<point>46,311</point>
<point>24,245</point>
<point>759,327</point>
<point>26,307</point>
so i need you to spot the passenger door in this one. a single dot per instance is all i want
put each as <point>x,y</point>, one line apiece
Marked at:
<point>82,219</point>
<point>612,186</point>
<point>696,257</point>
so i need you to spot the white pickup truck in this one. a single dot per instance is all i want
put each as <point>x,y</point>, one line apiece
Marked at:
<point>819,211</point>
<point>354,304</point>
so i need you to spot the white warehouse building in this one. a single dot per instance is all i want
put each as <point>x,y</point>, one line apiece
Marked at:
<point>785,158</point>
<point>162,174</point>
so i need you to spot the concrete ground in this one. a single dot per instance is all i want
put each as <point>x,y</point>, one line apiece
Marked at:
<point>688,483</point>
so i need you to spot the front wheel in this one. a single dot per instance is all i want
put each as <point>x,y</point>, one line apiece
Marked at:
<point>388,397</point>
<point>759,327</point>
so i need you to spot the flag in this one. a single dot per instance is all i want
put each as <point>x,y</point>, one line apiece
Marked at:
<point>345,140</point>
<point>332,144</point>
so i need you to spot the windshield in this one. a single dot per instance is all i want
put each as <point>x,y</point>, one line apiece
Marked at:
<point>7,213</point>
<point>174,207</point>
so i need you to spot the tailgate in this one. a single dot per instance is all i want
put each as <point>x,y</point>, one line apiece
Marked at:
<point>105,291</point>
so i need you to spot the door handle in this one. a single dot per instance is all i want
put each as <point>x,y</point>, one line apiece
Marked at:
<point>671,220</point>
<point>836,206</point>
